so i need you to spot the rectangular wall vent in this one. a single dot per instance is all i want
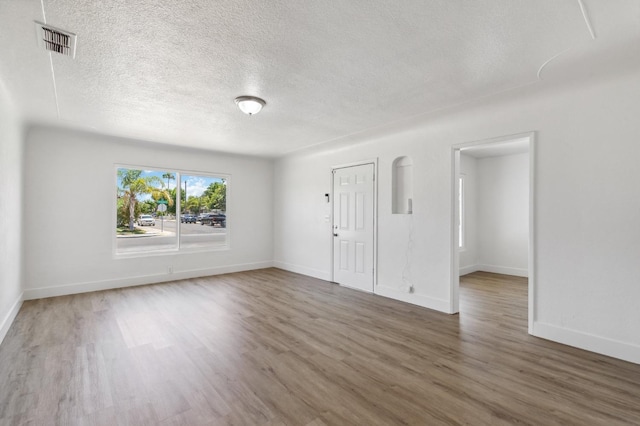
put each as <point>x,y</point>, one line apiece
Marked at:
<point>56,40</point>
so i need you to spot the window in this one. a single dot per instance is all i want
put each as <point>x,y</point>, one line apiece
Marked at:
<point>461,213</point>
<point>204,205</point>
<point>169,210</point>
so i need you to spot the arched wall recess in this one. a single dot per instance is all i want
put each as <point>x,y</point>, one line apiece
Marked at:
<point>402,186</point>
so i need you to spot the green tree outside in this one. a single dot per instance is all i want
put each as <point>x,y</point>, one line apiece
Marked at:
<point>132,187</point>
<point>169,177</point>
<point>216,196</point>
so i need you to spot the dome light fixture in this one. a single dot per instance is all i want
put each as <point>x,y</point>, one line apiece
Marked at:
<point>250,105</point>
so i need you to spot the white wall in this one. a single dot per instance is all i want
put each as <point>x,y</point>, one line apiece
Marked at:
<point>10,214</point>
<point>469,254</point>
<point>69,214</point>
<point>586,261</point>
<point>496,214</point>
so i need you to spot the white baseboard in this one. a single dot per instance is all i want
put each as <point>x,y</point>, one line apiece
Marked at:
<point>63,290</point>
<point>468,269</point>
<point>9,317</point>
<point>415,299</point>
<point>392,293</point>
<point>518,272</point>
<point>613,348</point>
<point>315,273</point>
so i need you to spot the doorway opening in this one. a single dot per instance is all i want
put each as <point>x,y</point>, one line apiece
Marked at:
<point>492,212</point>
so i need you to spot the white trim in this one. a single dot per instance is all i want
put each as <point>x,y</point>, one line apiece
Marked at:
<point>462,216</point>
<point>468,269</point>
<point>10,317</point>
<point>63,290</point>
<point>310,272</point>
<point>441,305</point>
<point>373,161</point>
<point>506,270</point>
<point>531,270</point>
<point>454,285</point>
<point>179,175</point>
<point>496,140</point>
<point>454,250</point>
<point>590,342</point>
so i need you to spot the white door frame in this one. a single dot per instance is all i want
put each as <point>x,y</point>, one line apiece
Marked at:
<point>455,252</point>
<point>373,161</point>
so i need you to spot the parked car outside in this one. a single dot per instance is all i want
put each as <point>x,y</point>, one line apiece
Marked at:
<point>188,218</point>
<point>146,220</point>
<point>214,218</point>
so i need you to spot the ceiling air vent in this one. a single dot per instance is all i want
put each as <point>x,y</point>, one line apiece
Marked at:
<point>56,40</point>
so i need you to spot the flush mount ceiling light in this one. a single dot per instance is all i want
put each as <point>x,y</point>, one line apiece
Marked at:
<point>250,104</point>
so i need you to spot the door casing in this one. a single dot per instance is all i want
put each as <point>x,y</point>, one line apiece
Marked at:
<point>455,255</point>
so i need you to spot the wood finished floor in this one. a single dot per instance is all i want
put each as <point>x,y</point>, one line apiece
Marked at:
<point>271,347</point>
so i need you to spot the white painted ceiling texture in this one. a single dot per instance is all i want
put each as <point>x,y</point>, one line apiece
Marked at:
<point>168,72</point>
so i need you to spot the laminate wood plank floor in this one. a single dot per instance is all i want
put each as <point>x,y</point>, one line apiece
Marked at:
<point>271,347</point>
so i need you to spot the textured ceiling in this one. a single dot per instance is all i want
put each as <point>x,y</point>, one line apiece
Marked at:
<point>169,71</point>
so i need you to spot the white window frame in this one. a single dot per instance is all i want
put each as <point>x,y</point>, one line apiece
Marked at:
<point>177,249</point>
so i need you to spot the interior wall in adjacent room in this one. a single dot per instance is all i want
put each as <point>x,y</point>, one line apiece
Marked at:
<point>469,253</point>
<point>503,214</point>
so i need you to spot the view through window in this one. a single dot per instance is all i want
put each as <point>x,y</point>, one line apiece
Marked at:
<point>161,210</point>
<point>204,218</point>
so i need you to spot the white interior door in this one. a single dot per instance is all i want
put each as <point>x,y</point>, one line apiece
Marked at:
<point>353,222</point>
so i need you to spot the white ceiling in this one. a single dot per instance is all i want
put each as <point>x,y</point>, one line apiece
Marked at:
<point>169,71</point>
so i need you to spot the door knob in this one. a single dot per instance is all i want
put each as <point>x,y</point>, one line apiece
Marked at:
<point>335,235</point>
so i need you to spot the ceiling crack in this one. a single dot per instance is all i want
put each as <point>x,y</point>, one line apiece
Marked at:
<point>53,74</point>
<point>587,20</point>
<point>44,16</point>
<point>55,88</point>
<point>549,60</point>
<point>591,32</point>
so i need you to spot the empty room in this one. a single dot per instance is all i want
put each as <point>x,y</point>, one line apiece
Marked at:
<point>319,213</point>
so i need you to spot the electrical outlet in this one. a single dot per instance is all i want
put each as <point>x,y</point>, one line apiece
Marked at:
<point>170,270</point>
<point>410,289</point>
